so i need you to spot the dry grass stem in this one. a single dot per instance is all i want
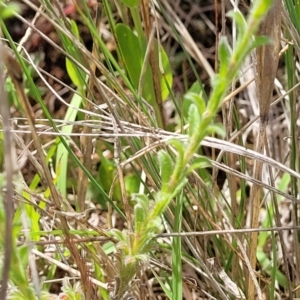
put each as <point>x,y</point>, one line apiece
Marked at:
<point>266,64</point>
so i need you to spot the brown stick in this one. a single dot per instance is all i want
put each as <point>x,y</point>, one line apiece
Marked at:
<point>267,58</point>
<point>10,168</point>
<point>86,140</point>
<point>153,61</point>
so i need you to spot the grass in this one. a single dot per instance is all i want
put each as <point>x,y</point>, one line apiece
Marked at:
<point>129,201</point>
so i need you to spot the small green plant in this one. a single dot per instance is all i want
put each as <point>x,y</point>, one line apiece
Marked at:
<point>135,246</point>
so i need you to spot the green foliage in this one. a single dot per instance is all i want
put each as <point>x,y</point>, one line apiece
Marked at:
<point>133,50</point>
<point>166,168</point>
<point>264,260</point>
<point>71,292</point>
<point>62,153</point>
<point>76,74</point>
<point>170,167</point>
<point>141,209</point>
<point>198,163</point>
<point>19,261</point>
<point>106,178</point>
<point>130,48</point>
<point>200,118</point>
<point>78,78</point>
<point>224,56</point>
<point>16,294</point>
<point>131,3</point>
<point>196,91</point>
<point>8,10</point>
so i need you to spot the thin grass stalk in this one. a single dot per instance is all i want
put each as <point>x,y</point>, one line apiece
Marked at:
<point>267,58</point>
<point>228,110</point>
<point>168,13</point>
<point>176,251</point>
<point>133,142</point>
<point>11,66</point>
<point>145,8</point>
<point>117,157</point>
<point>58,201</point>
<point>10,168</point>
<point>86,140</point>
<point>230,160</point>
<point>291,20</point>
<point>91,59</point>
<point>294,157</point>
<point>111,62</point>
<point>282,242</point>
<point>240,215</point>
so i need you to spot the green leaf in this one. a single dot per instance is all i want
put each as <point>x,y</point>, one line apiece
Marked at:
<point>62,153</point>
<point>257,42</point>
<point>162,199</point>
<point>72,292</point>
<point>132,183</point>
<point>76,75</point>
<point>166,78</point>
<point>166,168</point>
<point>260,41</point>
<point>182,182</point>
<point>144,258</point>
<point>142,200</point>
<point>117,234</point>
<point>164,286</point>
<point>131,51</point>
<point>198,100</point>
<point>284,182</point>
<point>238,17</point>
<point>178,145</point>
<point>133,57</point>
<point>141,210</point>
<point>196,90</point>
<point>260,8</point>
<point>224,56</point>
<point>201,162</point>
<point>8,10</point>
<point>74,29</point>
<point>140,215</point>
<point>267,265</point>
<point>106,172</point>
<point>105,177</point>
<point>194,120</point>
<point>131,3</point>
<point>109,248</point>
<point>216,128</point>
